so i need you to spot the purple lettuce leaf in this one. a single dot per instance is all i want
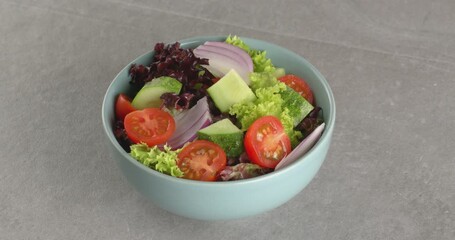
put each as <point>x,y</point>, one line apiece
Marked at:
<point>310,122</point>
<point>173,61</point>
<point>242,171</point>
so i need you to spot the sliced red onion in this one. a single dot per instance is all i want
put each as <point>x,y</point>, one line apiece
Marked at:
<point>214,71</point>
<point>189,122</point>
<point>191,133</point>
<point>222,60</point>
<point>190,115</point>
<point>222,63</point>
<point>244,55</point>
<point>187,125</point>
<point>221,51</point>
<point>231,51</point>
<point>302,148</point>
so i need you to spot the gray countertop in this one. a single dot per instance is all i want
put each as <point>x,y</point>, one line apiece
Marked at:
<point>389,174</point>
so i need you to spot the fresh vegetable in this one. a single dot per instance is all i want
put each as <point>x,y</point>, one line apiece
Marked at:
<point>266,143</point>
<point>288,123</point>
<point>310,122</point>
<point>299,85</point>
<point>225,134</point>
<point>201,160</point>
<point>150,94</point>
<point>223,57</point>
<point>279,72</point>
<point>121,136</point>
<point>265,80</point>
<point>152,126</point>
<point>188,122</point>
<point>242,171</point>
<point>269,101</point>
<point>172,61</point>
<point>229,90</point>
<point>123,106</point>
<point>260,61</point>
<point>160,160</point>
<point>177,102</point>
<point>302,148</point>
<point>297,105</point>
<point>246,59</point>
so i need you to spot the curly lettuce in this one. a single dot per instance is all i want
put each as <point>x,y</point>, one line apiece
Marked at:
<point>269,101</point>
<point>260,61</point>
<point>265,80</point>
<point>163,161</point>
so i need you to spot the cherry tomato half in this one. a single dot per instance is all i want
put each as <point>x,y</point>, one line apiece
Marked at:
<point>201,160</point>
<point>152,126</point>
<point>299,85</point>
<point>123,106</point>
<point>266,143</point>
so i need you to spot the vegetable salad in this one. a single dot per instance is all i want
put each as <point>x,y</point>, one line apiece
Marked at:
<point>219,112</point>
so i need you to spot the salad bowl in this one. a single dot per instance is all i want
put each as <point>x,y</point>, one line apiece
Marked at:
<point>231,199</point>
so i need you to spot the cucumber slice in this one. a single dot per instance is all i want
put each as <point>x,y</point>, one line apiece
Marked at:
<point>149,95</point>
<point>225,134</point>
<point>229,90</point>
<point>298,106</point>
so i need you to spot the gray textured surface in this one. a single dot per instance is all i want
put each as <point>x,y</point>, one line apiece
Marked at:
<point>390,173</point>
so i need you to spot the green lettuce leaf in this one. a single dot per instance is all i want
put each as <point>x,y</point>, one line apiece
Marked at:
<point>160,160</point>
<point>265,80</point>
<point>260,61</point>
<point>268,102</point>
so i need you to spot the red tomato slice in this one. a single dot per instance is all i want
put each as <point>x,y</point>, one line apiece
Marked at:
<point>123,106</point>
<point>201,160</point>
<point>299,85</point>
<point>266,143</point>
<point>152,126</point>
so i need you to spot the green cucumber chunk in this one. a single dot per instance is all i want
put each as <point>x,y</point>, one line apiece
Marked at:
<point>150,93</point>
<point>229,90</point>
<point>298,106</point>
<point>225,134</point>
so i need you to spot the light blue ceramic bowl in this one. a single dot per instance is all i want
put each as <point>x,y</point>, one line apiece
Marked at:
<point>225,200</point>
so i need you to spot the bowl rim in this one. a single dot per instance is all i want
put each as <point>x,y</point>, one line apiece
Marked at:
<point>324,137</point>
